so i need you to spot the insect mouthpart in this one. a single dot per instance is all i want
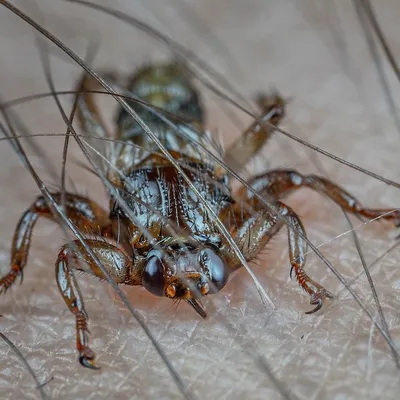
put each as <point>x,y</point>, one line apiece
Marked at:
<point>190,287</point>
<point>187,274</point>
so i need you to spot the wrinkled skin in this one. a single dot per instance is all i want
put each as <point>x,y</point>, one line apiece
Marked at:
<point>317,356</point>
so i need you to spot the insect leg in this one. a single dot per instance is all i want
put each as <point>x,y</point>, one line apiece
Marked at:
<point>86,215</point>
<point>88,113</point>
<point>280,182</point>
<point>256,135</point>
<point>74,256</point>
<point>257,229</point>
<point>90,118</point>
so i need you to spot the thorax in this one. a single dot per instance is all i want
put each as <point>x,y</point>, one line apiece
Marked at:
<point>164,206</point>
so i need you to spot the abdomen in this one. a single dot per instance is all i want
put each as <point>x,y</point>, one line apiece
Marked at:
<point>167,87</point>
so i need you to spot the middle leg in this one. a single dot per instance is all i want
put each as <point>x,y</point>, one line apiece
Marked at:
<point>83,212</point>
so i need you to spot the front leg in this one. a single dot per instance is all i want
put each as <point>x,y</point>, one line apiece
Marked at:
<point>73,255</point>
<point>257,229</point>
<point>84,213</point>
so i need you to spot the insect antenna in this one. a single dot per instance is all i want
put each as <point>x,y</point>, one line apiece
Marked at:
<point>158,111</point>
<point>270,206</point>
<point>222,81</point>
<point>210,39</point>
<point>47,70</point>
<point>284,132</point>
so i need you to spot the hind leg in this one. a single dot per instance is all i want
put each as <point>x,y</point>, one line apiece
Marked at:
<point>280,182</point>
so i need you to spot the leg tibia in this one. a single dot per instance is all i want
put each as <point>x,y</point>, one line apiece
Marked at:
<point>253,138</point>
<point>84,213</point>
<point>19,250</point>
<point>278,183</point>
<point>297,255</point>
<point>72,296</point>
<point>74,256</point>
<point>256,230</point>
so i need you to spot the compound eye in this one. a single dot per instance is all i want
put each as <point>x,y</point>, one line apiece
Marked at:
<point>153,276</point>
<point>218,273</point>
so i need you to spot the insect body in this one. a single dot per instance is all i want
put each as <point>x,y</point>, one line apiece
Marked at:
<point>159,233</point>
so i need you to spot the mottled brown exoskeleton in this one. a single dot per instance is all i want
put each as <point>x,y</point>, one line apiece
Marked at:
<point>173,246</point>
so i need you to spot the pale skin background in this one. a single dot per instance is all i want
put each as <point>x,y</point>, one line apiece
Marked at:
<point>313,53</point>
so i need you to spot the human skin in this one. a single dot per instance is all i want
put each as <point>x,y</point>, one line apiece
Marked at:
<point>317,56</point>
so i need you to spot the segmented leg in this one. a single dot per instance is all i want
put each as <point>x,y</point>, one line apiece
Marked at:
<point>88,113</point>
<point>73,255</point>
<point>257,229</point>
<point>278,183</point>
<point>122,157</point>
<point>254,137</point>
<point>84,213</point>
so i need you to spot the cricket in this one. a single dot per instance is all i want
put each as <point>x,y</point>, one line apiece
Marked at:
<point>184,216</point>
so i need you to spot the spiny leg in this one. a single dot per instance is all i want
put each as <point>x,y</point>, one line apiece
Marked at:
<point>88,113</point>
<point>73,255</point>
<point>89,116</point>
<point>297,256</point>
<point>277,183</point>
<point>84,213</point>
<point>257,229</point>
<point>254,137</point>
